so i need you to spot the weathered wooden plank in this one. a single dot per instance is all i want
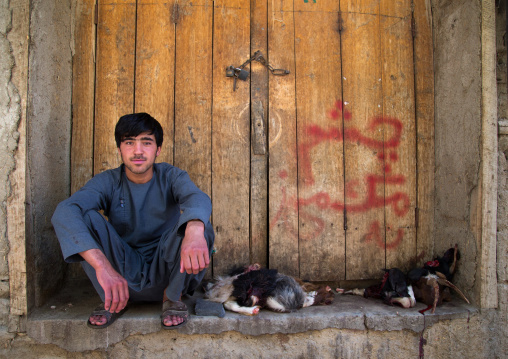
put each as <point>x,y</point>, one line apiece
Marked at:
<point>398,111</point>
<point>424,84</point>
<point>320,146</point>
<point>155,63</point>
<point>83,86</point>
<point>360,6</point>
<point>114,94</point>
<point>83,69</point>
<point>193,83</point>
<point>230,136</point>
<point>488,173</point>
<point>363,139</point>
<point>16,207</point>
<point>283,193</point>
<point>259,128</point>
<point>193,95</point>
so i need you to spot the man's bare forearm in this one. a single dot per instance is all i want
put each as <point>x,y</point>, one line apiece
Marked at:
<point>116,290</point>
<point>195,225</point>
<point>95,258</point>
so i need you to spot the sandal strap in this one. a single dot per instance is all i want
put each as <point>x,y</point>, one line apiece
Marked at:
<point>178,306</point>
<point>178,309</point>
<point>100,310</point>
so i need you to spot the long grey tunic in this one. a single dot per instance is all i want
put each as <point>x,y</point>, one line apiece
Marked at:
<point>144,227</point>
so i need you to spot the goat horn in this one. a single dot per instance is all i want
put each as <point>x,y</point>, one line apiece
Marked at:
<point>440,275</point>
<point>452,267</point>
<point>454,287</point>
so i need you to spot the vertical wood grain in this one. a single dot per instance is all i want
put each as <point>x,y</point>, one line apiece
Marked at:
<point>283,180</point>
<point>114,96</point>
<point>424,85</point>
<point>320,148</point>
<point>363,142</point>
<point>230,136</point>
<point>399,108</point>
<point>16,204</point>
<point>83,70</point>
<point>259,111</point>
<point>155,64</point>
<point>193,95</point>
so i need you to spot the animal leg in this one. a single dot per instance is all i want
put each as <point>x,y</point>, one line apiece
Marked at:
<point>355,291</point>
<point>435,285</point>
<point>233,306</point>
<point>412,298</point>
<point>309,299</point>
<point>274,305</point>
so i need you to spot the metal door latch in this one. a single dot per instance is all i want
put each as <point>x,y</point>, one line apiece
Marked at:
<point>242,74</point>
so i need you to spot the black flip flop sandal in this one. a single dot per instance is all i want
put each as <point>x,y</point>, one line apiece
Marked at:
<point>178,309</point>
<point>110,317</point>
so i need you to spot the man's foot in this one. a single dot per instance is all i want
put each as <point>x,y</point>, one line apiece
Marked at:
<point>101,318</point>
<point>174,314</point>
<point>97,320</point>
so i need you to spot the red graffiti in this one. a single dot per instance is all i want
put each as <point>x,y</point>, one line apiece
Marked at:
<point>399,202</point>
<point>375,236</point>
<point>315,135</point>
<point>335,113</point>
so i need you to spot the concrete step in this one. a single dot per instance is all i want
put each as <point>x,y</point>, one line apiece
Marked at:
<point>62,321</point>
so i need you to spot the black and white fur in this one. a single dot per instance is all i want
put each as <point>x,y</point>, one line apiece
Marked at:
<point>393,290</point>
<point>255,288</point>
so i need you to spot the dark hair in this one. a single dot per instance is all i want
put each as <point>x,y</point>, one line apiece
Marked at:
<point>134,124</point>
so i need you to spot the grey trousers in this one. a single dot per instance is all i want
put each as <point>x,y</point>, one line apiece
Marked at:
<point>147,278</point>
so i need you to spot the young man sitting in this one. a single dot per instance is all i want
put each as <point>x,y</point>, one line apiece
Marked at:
<point>153,242</point>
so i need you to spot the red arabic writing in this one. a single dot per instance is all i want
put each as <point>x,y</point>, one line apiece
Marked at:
<point>399,202</point>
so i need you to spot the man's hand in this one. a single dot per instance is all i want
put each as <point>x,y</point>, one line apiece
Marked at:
<point>194,252</point>
<point>116,290</point>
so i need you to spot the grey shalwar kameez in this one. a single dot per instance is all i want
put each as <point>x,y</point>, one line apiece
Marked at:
<point>142,234</point>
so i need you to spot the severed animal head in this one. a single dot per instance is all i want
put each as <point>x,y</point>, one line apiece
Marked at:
<point>253,287</point>
<point>432,282</point>
<point>393,290</point>
<point>323,294</point>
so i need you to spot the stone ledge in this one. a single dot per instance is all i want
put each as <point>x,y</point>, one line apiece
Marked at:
<point>62,321</point>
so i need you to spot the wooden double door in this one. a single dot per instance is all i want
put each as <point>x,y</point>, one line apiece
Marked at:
<point>324,173</point>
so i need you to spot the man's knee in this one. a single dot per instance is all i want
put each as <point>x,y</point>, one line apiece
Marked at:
<point>93,218</point>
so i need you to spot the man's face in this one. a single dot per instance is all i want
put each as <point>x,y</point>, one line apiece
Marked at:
<point>138,155</point>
